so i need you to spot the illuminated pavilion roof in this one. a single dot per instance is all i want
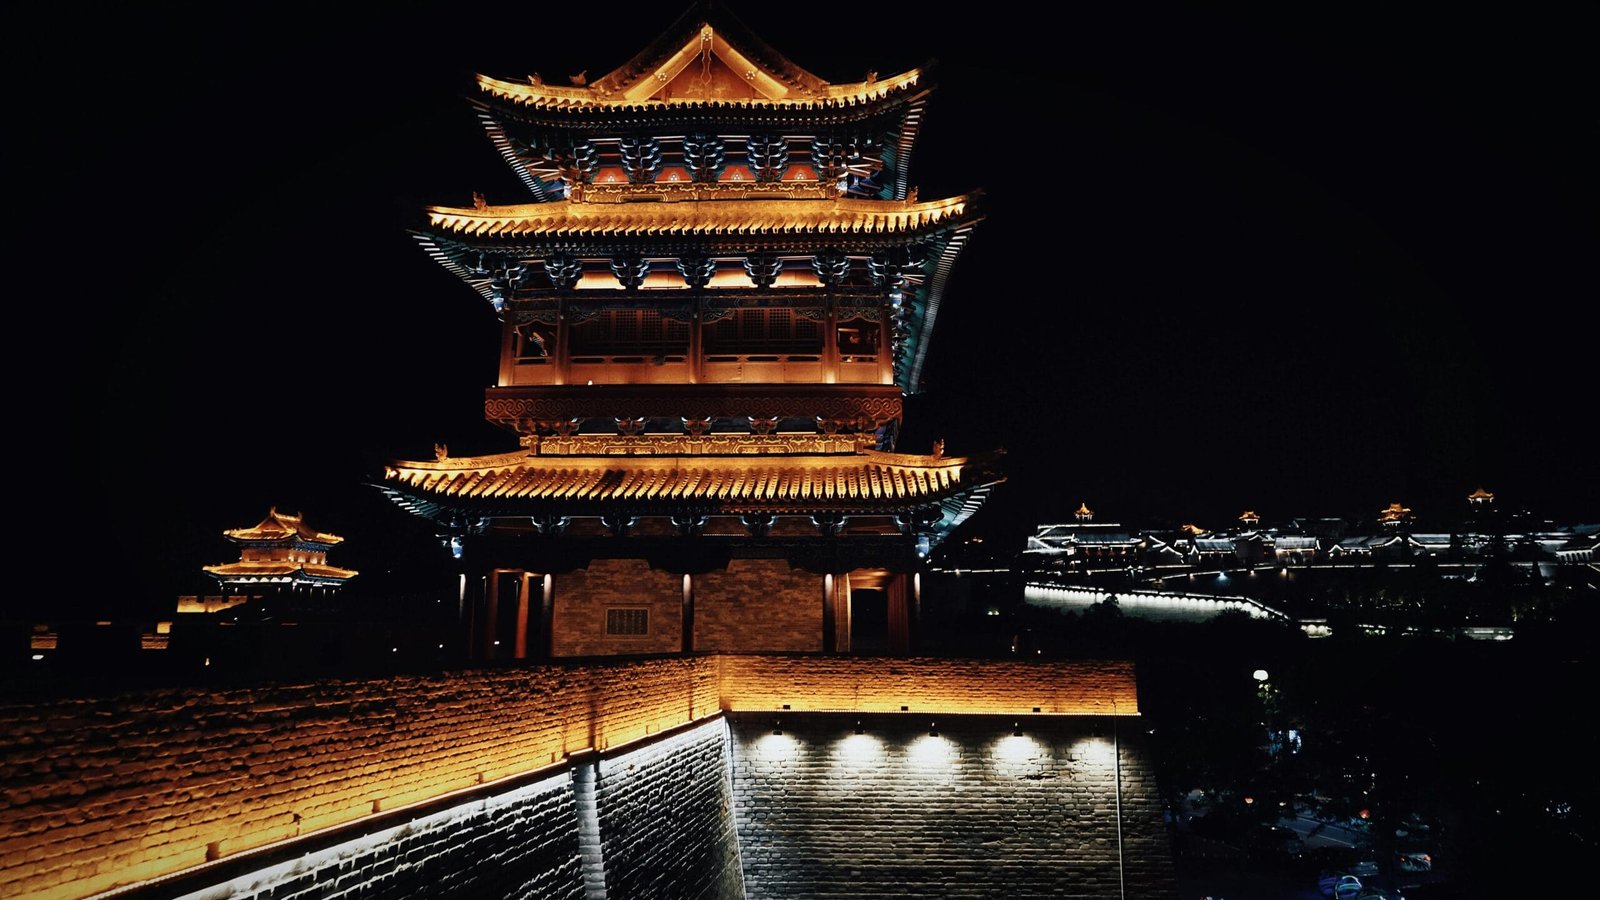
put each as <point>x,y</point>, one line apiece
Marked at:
<point>730,217</point>
<point>279,526</point>
<point>863,482</point>
<point>279,570</point>
<point>705,59</point>
<point>1394,513</point>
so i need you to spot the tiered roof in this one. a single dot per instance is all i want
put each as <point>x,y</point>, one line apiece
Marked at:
<point>864,482</point>
<point>742,219</point>
<point>282,549</point>
<point>278,526</point>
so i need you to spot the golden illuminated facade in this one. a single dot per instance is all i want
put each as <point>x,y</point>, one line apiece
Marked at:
<point>713,305</point>
<point>280,553</point>
<point>1394,516</point>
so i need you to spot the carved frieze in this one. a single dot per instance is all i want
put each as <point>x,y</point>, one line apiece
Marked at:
<point>677,191</point>
<point>699,444</point>
<point>875,408</point>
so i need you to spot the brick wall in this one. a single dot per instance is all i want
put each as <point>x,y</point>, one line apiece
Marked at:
<point>885,684</point>
<point>97,792</point>
<point>758,605</point>
<point>581,599</point>
<point>666,819</point>
<point>975,811</point>
<point>519,844</point>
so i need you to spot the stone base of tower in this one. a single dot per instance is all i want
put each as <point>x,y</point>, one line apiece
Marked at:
<point>626,607</point>
<point>758,605</point>
<point>617,607</point>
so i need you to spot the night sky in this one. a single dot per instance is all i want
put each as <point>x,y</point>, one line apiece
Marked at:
<point>1304,259</point>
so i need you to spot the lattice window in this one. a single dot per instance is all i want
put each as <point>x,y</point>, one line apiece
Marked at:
<point>750,331</point>
<point>628,622</point>
<point>622,332</point>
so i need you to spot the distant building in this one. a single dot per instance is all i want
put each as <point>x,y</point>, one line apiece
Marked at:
<point>1394,516</point>
<point>1084,545</point>
<point>280,554</point>
<point>1583,547</point>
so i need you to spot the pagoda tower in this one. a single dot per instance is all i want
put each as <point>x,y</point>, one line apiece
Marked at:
<point>718,294</point>
<point>280,553</point>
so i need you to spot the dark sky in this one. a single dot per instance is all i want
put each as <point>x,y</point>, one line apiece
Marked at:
<point>1302,258</point>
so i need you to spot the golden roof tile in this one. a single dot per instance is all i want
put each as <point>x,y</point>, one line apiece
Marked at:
<point>840,216</point>
<point>277,568</point>
<point>278,526</point>
<point>707,58</point>
<point>546,96</point>
<point>802,480</point>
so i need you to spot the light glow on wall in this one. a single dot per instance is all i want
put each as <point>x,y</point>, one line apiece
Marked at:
<point>858,750</point>
<point>932,752</point>
<point>1095,750</point>
<point>777,746</point>
<point>1017,748</point>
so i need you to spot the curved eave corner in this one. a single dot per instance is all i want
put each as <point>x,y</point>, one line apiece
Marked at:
<point>985,475</point>
<point>479,283</point>
<point>943,265</point>
<point>543,191</point>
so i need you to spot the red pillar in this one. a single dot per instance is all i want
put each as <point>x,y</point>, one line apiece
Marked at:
<point>899,615</point>
<point>520,651</point>
<point>491,615</point>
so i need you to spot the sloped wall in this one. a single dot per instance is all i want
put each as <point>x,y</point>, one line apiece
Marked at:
<point>666,819</point>
<point>523,843</point>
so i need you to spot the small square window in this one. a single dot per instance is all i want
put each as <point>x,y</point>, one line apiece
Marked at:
<point>628,622</point>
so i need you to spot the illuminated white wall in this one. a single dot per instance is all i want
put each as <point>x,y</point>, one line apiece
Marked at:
<point>907,805</point>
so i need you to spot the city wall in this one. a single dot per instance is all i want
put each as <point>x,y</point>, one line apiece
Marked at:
<point>100,792</point>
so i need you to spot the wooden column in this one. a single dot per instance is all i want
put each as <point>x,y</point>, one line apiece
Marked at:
<point>469,599</point>
<point>520,650</point>
<point>899,601</point>
<point>491,615</point>
<point>508,346</point>
<point>916,611</point>
<point>688,614</point>
<point>697,357</point>
<point>562,357</point>
<point>547,618</point>
<point>886,345</point>
<point>830,346</point>
<point>829,637</point>
<point>841,613</point>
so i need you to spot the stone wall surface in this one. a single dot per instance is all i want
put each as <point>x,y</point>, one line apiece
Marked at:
<point>885,684</point>
<point>102,791</point>
<point>758,605</point>
<point>581,599</point>
<point>523,843</point>
<point>915,806</point>
<point>666,819</point>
